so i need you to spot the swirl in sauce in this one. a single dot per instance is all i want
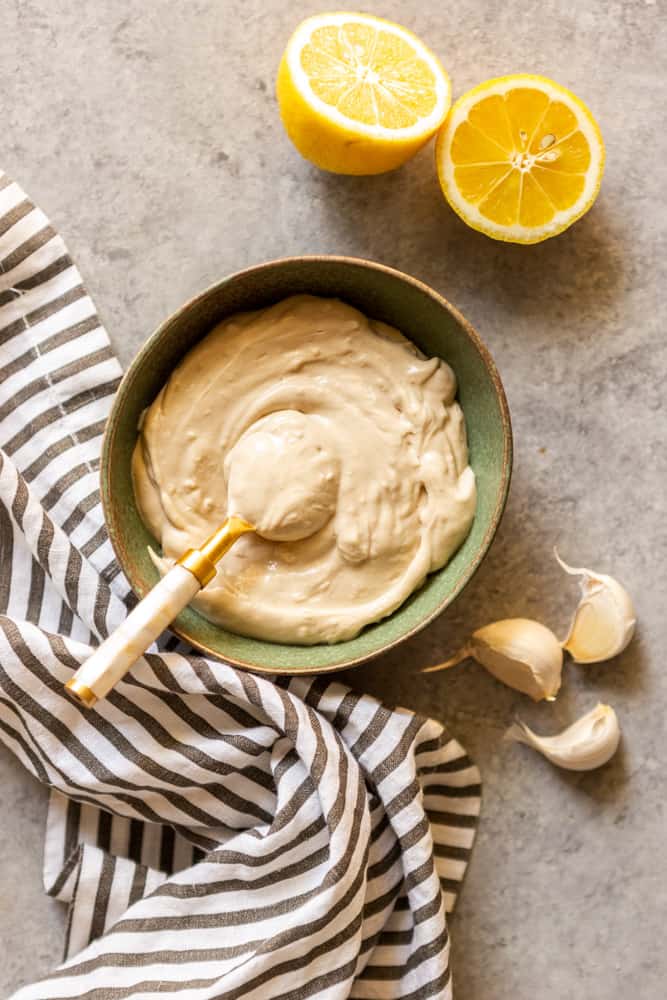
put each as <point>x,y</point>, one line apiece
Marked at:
<point>332,434</point>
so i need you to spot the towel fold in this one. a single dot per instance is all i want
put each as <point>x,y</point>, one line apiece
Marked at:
<point>215,834</point>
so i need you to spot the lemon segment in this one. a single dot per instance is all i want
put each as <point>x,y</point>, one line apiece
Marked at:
<point>520,158</point>
<point>358,94</point>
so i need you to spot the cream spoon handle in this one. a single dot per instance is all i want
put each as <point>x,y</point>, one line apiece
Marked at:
<point>111,660</point>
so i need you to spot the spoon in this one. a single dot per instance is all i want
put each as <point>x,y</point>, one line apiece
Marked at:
<point>114,657</point>
<point>286,484</point>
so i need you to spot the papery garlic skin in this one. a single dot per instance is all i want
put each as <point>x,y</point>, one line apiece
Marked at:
<point>605,619</point>
<point>588,743</point>
<point>519,652</point>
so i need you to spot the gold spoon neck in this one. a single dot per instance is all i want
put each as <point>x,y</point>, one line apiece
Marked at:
<point>201,562</point>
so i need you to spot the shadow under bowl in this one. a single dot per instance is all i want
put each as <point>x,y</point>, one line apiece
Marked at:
<point>380,293</point>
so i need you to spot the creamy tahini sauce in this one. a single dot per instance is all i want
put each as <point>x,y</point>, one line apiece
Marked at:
<point>335,437</point>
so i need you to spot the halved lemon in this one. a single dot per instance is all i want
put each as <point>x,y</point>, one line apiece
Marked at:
<point>520,158</point>
<point>358,94</point>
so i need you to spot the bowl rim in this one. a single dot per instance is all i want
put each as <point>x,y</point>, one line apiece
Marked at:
<point>125,386</point>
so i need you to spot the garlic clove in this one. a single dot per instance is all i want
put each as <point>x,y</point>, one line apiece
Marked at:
<point>604,621</point>
<point>588,743</point>
<point>521,653</point>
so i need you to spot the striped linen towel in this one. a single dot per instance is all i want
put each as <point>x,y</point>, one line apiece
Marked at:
<point>216,835</point>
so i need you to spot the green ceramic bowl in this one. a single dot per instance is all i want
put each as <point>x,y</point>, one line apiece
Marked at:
<point>384,294</point>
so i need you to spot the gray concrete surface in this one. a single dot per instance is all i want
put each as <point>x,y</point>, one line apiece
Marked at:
<point>149,133</point>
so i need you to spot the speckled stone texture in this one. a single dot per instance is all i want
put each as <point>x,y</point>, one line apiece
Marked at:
<point>149,133</point>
